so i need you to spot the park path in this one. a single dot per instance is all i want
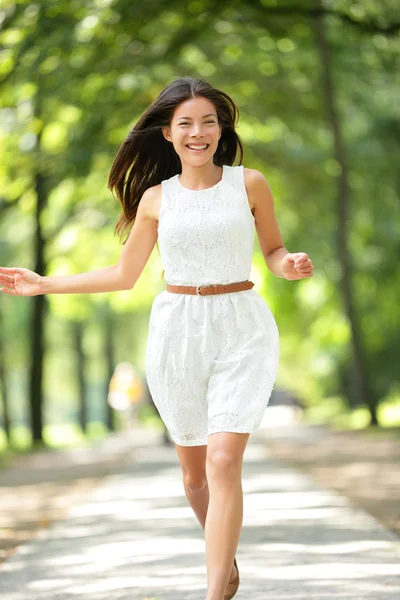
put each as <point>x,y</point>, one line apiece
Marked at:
<point>133,537</point>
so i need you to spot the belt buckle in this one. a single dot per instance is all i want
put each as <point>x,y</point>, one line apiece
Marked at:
<point>203,286</point>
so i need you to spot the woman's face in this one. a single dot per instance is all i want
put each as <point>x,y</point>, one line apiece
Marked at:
<point>194,131</point>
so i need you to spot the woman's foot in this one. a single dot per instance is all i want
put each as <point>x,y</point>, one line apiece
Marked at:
<point>233,584</point>
<point>234,572</point>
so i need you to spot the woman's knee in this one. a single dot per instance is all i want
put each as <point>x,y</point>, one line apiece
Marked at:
<point>223,463</point>
<point>193,464</point>
<point>194,482</point>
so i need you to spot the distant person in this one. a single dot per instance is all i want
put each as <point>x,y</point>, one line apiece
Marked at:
<point>126,390</point>
<point>213,346</point>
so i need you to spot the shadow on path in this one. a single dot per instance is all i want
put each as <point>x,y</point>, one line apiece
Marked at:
<point>136,538</point>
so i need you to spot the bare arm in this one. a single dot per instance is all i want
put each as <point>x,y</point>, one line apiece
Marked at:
<point>278,259</point>
<point>121,276</point>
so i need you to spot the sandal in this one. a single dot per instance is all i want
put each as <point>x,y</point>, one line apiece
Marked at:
<point>233,585</point>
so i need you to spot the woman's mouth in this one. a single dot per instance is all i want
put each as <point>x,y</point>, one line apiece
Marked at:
<point>197,147</point>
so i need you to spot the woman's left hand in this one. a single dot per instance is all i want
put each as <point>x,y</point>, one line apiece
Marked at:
<point>296,265</point>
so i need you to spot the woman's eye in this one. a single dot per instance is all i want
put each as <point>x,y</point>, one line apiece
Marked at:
<point>185,123</point>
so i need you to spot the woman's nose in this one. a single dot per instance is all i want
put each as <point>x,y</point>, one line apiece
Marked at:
<point>197,130</point>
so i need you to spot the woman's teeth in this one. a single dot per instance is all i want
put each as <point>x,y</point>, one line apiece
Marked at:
<point>197,148</point>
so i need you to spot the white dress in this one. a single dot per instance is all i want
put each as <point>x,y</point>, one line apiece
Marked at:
<point>211,361</point>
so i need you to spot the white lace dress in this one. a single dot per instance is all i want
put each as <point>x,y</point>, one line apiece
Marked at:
<point>211,361</point>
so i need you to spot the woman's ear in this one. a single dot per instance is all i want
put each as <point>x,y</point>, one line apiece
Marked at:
<point>166,133</point>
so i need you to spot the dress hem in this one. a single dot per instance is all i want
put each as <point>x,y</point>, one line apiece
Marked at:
<point>204,443</point>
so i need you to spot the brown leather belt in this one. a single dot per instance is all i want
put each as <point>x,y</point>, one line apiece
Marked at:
<point>213,288</point>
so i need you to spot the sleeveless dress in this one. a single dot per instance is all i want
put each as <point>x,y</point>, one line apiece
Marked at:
<point>211,361</point>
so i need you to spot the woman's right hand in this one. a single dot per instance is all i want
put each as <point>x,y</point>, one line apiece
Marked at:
<point>20,282</point>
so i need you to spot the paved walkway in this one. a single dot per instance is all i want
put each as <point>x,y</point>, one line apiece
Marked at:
<point>135,538</point>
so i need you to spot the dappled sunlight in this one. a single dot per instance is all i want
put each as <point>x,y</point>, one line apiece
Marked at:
<point>292,500</point>
<point>327,548</point>
<point>122,509</point>
<point>347,462</point>
<point>335,570</point>
<point>136,537</point>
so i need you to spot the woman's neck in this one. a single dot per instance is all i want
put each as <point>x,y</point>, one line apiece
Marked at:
<point>201,177</point>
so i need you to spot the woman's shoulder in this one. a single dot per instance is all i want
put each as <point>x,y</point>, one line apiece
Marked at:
<point>151,192</point>
<point>253,176</point>
<point>150,202</point>
<point>257,187</point>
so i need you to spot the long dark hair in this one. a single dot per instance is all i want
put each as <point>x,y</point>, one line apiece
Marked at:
<point>145,157</point>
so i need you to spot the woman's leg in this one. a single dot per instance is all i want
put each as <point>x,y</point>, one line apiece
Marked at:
<point>193,463</point>
<point>225,511</point>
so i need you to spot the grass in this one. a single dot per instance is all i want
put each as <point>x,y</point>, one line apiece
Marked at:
<point>55,437</point>
<point>331,412</point>
<point>65,435</point>
<point>334,413</point>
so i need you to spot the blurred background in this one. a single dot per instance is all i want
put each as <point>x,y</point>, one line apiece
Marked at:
<point>317,85</point>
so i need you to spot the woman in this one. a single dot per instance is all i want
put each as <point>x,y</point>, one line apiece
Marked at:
<point>213,345</point>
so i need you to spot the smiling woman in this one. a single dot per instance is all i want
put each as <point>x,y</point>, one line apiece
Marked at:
<point>192,132</point>
<point>190,118</point>
<point>213,344</point>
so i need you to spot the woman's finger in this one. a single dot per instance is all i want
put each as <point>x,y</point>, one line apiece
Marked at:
<point>12,271</point>
<point>7,291</point>
<point>306,273</point>
<point>305,262</point>
<point>7,280</point>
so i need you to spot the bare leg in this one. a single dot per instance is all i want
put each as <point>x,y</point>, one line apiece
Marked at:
<point>193,464</point>
<point>225,510</point>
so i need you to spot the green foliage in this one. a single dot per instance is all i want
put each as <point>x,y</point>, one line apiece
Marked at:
<point>75,76</point>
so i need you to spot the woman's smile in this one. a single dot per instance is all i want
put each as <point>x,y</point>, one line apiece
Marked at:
<point>197,147</point>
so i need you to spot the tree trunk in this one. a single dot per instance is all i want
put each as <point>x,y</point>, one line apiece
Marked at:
<point>362,386</point>
<point>38,302</point>
<point>109,348</point>
<point>3,385</point>
<point>37,320</point>
<point>80,371</point>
